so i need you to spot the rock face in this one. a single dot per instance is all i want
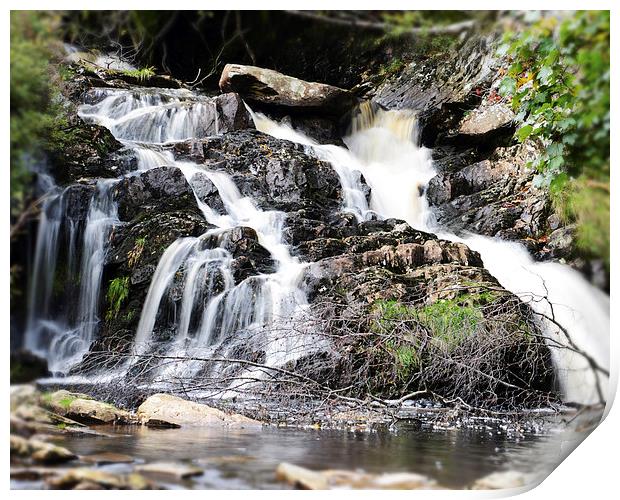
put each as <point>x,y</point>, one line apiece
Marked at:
<point>494,196</point>
<point>272,88</point>
<point>177,411</point>
<point>442,87</point>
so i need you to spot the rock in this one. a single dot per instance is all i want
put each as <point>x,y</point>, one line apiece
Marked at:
<point>441,87</point>
<point>303,478</point>
<point>561,242</point>
<point>170,469</point>
<point>282,175</point>
<point>39,451</point>
<point>486,119</point>
<point>269,87</point>
<point>154,191</point>
<point>174,410</point>
<point>502,480</point>
<point>33,473</point>
<point>85,410</point>
<point>33,413</point>
<point>23,394</point>
<point>82,478</point>
<point>107,457</point>
<point>26,367</point>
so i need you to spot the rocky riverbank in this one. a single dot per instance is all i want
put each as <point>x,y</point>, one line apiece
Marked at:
<point>47,429</point>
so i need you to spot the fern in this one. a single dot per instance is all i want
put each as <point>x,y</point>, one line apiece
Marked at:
<point>118,291</point>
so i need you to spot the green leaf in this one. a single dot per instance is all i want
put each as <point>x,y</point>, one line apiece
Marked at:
<point>524,132</point>
<point>508,86</point>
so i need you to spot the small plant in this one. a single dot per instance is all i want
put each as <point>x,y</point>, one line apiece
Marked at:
<point>118,291</point>
<point>136,252</point>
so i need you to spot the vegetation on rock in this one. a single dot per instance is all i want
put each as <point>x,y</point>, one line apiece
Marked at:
<point>558,83</point>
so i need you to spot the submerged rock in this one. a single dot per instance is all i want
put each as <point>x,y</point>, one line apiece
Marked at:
<point>267,86</point>
<point>177,411</point>
<point>170,469</point>
<point>502,480</point>
<point>307,479</point>
<point>82,478</point>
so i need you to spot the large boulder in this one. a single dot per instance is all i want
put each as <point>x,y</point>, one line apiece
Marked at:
<point>269,87</point>
<point>180,412</point>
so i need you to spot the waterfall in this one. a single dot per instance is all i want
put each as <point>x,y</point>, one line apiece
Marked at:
<point>248,312</point>
<point>64,303</point>
<point>383,148</point>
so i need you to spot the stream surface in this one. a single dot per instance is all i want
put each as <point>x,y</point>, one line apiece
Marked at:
<point>247,459</point>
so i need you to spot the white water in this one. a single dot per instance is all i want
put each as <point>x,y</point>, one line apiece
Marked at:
<point>383,148</point>
<point>247,312</point>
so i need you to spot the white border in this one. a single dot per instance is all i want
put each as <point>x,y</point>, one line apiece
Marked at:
<point>589,472</point>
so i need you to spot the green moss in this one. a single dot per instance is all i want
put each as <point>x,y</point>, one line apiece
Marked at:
<point>118,291</point>
<point>451,321</point>
<point>141,74</point>
<point>65,402</point>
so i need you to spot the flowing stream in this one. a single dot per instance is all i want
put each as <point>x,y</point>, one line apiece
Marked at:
<point>382,150</point>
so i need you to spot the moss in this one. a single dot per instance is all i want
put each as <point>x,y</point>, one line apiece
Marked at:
<point>451,321</point>
<point>65,402</point>
<point>141,74</point>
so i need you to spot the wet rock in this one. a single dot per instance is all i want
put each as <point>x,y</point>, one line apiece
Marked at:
<point>277,174</point>
<point>92,152</point>
<point>494,197</point>
<point>168,408</point>
<point>170,469</point>
<point>82,478</point>
<point>303,478</point>
<point>81,408</point>
<point>26,367</point>
<point>107,457</point>
<point>272,88</point>
<point>156,190</point>
<point>502,480</point>
<point>39,451</point>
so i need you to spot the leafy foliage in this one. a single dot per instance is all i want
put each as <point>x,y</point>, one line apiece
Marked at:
<point>558,84</point>
<point>31,33</point>
<point>118,291</point>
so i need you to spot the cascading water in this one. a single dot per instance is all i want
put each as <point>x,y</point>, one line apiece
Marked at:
<point>382,150</point>
<point>250,310</point>
<point>382,147</point>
